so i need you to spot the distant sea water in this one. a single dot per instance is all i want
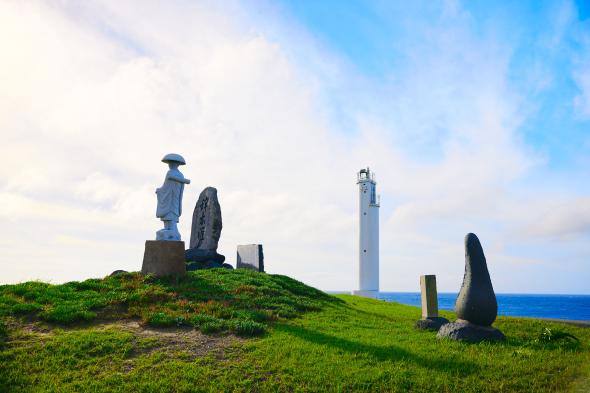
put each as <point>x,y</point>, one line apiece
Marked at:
<point>571,307</point>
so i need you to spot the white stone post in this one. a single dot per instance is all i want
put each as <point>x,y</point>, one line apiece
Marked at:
<point>429,296</point>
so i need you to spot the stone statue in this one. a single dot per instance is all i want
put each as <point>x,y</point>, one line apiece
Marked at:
<point>170,198</point>
<point>476,305</point>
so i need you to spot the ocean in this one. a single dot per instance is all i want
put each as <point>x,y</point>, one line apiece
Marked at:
<point>571,307</point>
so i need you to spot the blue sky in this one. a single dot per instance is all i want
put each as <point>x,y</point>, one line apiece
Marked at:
<point>474,115</point>
<point>544,39</point>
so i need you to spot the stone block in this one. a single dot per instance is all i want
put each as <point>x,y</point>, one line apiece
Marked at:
<point>429,296</point>
<point>163,258</point>
<point>250,256</point>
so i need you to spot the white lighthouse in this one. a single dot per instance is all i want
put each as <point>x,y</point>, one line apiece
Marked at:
<point>368,235</point>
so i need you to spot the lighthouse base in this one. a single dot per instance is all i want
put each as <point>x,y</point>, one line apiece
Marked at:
<point>372,294</point>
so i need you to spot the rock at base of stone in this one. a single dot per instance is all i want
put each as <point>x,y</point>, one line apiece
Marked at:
<point>201,255</point>
<point>432,323</point>
<point>117,272</point>
<point>470,332</point>
<point>190,266</point>
<point>163,258</point>
<point>250,256</point>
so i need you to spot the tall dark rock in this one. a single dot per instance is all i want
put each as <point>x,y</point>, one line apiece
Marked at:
<point>476,302</point>
<point>476,305</point>
<point>207,224</point>
<point>205,233</point>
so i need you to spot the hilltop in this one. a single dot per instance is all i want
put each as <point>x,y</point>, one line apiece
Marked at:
<point>238,330</point>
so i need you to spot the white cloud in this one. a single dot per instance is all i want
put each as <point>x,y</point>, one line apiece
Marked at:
<point>96,94</point>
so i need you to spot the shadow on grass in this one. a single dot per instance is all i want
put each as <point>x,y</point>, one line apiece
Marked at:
<point>381,353</point>
<point>384,315</point>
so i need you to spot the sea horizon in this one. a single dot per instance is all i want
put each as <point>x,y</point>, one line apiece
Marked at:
<point>574,307</point>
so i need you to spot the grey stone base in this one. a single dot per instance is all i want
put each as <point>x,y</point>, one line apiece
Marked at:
<point>432,323</point>
<point>190,266</point>
<point>467,331</point>
<point>201,255</point>
<point>163,258</point>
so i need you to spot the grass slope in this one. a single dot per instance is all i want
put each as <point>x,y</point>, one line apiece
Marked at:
<point>78,337</point>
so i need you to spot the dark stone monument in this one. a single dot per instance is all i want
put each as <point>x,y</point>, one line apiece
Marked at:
<point>476,305</point>
<point>205,233</point>
<point>207,224</point>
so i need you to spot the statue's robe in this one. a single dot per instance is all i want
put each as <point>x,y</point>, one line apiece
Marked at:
<point>170,196</point>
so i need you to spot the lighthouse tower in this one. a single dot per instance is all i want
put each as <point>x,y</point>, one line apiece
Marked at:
<point>368,235</point>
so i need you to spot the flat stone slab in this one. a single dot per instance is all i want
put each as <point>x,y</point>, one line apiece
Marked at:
<point>163,258</point>
<point>250,256</point>
<point>432,323</point>
<point>466,331</point>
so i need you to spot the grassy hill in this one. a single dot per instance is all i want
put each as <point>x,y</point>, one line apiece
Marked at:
<point>224,330</point>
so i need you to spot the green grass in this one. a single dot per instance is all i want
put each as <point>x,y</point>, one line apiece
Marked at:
<point>309,341</point>
<point>213,300</point>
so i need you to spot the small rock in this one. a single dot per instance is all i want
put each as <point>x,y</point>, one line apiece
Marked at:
<point>466,331</point>
<point>117,272</point>
<point>432,323</point>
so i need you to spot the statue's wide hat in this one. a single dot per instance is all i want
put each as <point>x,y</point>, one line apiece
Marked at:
<point>173,157</point>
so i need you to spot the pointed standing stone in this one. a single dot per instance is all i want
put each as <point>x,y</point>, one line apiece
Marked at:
<point>476,302</point>
<point>476,305</point>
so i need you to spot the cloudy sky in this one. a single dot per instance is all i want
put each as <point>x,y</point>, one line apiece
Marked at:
<point>475,117</point>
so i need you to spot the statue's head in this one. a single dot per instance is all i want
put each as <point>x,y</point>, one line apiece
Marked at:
<point>173,160</point>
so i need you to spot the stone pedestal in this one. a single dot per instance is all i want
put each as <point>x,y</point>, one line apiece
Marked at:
<point>163,258</point>
<point>250,256</point>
